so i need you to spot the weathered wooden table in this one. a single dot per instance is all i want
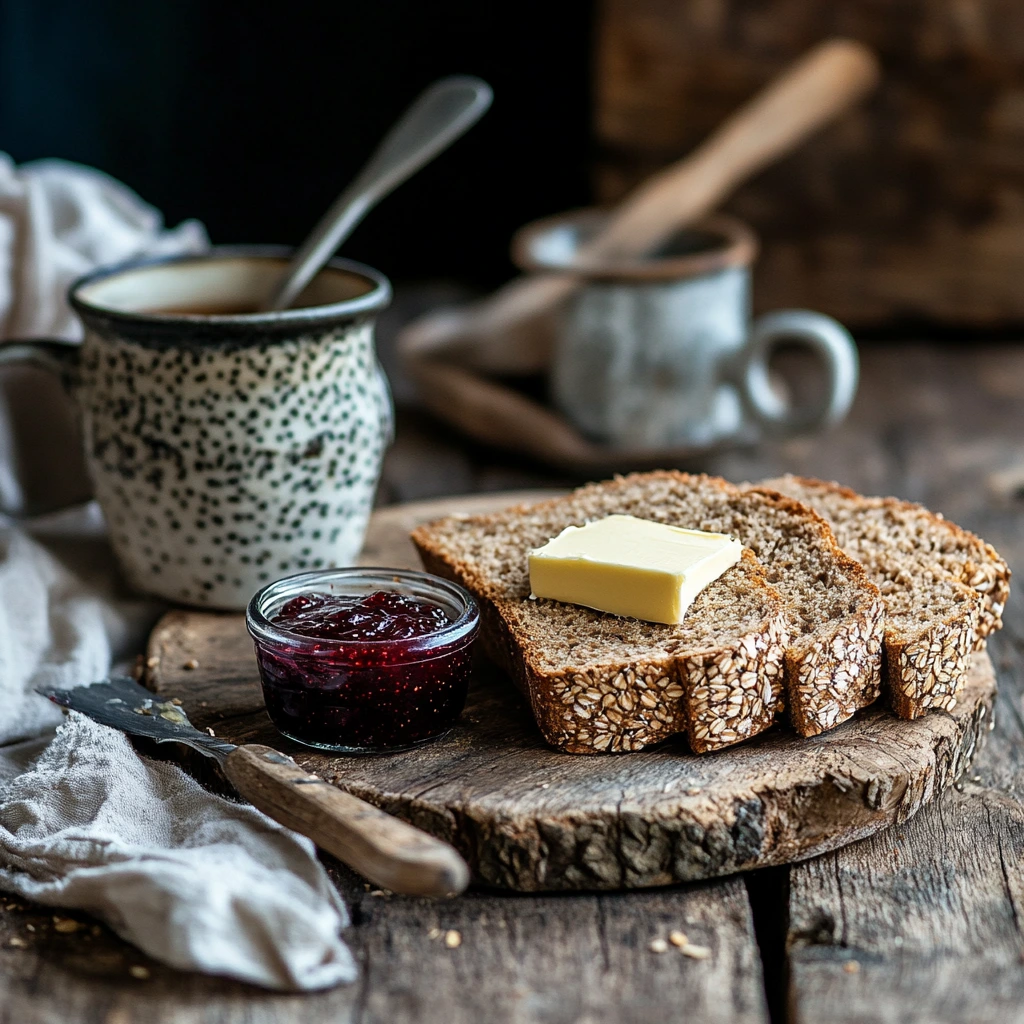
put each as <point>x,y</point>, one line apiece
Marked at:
<point>922,923</point>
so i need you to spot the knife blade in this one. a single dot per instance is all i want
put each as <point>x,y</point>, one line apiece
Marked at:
<point>125,704</point>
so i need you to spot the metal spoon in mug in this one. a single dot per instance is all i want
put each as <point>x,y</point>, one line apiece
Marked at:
<point>436,119</point>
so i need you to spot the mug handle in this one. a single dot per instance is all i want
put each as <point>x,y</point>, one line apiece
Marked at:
<point>27,490</point>
<point>59,357</point>
<point>824,337</point>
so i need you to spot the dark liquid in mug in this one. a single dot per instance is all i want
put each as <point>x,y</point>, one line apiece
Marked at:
<point>212,309</point>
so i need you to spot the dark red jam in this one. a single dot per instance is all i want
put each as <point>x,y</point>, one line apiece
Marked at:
<point>381,665</point>
<point>382,615</point>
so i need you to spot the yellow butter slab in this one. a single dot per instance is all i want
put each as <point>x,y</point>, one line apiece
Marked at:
<point>630,566</point>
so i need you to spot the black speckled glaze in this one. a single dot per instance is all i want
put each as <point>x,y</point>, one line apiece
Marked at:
<point>228,451</point>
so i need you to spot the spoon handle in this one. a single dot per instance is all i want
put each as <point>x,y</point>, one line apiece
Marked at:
<point>436,119</point>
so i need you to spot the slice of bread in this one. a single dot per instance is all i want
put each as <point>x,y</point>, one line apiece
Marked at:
<point>944,588</point>
<point>599,683</point>
<point>817,619</point>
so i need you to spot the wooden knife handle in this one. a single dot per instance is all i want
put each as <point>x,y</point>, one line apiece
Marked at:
<point>382,848</point>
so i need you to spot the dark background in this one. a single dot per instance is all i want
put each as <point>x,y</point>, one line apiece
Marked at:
<point>253,117</point>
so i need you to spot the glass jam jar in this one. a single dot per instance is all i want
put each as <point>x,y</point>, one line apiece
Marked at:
<point>359,661</point>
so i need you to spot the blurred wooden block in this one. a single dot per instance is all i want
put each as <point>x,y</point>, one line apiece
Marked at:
<point>909,208</point>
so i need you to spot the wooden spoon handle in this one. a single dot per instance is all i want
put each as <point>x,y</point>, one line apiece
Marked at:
<point>382,848</point>
<point>812,92</point>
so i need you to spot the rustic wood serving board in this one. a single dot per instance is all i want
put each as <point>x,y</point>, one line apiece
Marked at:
<point>531,819</point>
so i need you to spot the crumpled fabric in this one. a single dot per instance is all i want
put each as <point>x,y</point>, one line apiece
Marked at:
<point>194,880</point>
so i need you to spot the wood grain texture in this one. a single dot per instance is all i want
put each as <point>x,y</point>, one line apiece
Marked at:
<point>544,959</point>
<point>571,958</point>
<point>930,914</point>
<point>911,206</point>
<point>529,818</point>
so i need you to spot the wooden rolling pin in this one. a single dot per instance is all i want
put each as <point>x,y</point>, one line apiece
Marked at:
<point>512,332</point>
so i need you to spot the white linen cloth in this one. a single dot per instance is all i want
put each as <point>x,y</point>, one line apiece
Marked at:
<point>194,880</point>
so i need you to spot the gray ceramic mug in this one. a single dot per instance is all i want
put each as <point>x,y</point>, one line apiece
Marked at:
<point>226,448</point>
<point>661,352</point>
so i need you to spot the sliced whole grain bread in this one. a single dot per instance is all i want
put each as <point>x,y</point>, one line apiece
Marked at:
<point>945,588</point>
<point>599,682</point>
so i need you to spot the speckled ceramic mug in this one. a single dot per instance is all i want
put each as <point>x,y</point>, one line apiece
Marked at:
<point>227,448</point>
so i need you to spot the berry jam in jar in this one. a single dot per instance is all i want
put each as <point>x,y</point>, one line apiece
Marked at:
<point>358,661</point>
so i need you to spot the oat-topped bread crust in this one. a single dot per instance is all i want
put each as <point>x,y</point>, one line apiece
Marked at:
<point>719,673</point>
<point>945,588</point>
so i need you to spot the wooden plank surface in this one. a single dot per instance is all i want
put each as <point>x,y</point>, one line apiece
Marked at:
<point>910,206</point>
<point>574,958</point>
<point>932,913</point>
<point>570,958</point>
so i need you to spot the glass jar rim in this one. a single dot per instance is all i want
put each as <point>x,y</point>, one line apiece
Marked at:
<point>462,628</point>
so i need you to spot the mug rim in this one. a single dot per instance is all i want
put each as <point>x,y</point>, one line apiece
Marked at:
<point>228,325</point>
<point>738,249</point>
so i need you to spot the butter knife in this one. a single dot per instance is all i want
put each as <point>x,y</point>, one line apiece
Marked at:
<point>390,852</point>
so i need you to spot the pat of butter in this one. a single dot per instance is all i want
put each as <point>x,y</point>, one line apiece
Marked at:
<point>630,566</point>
